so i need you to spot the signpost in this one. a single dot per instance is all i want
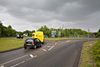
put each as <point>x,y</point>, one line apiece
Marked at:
<point>53,34</point>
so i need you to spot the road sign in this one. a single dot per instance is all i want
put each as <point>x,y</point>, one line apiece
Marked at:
<point>53,34</point>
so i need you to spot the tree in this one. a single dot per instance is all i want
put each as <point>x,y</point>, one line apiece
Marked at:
<point>46,30</point>
<point>64,32</point>
<point>6,31</point>
<point>10,31</point>
<point>1,26</point>
<point>99,30</point>
<point>98,33</point>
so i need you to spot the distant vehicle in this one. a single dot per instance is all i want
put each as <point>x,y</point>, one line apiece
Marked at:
<point>19,36</point>
<point>39,35</point>
<point>32,43</point>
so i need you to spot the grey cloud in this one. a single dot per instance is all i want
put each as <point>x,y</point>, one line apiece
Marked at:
<point>44,10</point>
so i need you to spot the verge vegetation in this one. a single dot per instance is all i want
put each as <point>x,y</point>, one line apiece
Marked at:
<point>90,56</point>
<point>96,53</point>
<point>86,59</point>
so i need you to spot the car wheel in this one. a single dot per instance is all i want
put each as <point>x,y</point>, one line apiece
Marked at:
<point>25,47</point>
<point>35,47</point>
<point>40,45</point>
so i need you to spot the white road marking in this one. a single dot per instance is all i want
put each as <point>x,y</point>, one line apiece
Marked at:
<point>34,56</point>
<point>18,64</point>
<point>51,48</point>
<point>55,43</point>
<point>2,66</point>
<point>31,56</point>
<point>14,60</point>
<point>28,59</point>
<point>48,46</point>
<point>44,50</point>
<point>68,41</point>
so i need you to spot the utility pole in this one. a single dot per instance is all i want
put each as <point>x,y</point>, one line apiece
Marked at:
<point>0,21</point>
<point>88,34</point>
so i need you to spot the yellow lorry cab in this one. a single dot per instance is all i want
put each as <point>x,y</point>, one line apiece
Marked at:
<point>39,35</point>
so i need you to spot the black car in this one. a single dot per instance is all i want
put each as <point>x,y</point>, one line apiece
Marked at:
<point>32,43</point>
<point>19,36</point>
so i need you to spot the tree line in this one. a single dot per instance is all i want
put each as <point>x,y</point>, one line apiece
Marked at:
<point>7,31</point>
<point>64,32</point>
<point>60,32</point>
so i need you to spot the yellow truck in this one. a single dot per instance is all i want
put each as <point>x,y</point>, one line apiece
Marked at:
<point>39,35</point>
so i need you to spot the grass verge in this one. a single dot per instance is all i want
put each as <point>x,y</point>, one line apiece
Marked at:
<point>7,44</point>
<point>10,43</point>
<point>96,53</point>
<point>86,59</point>
<point>55,38</point>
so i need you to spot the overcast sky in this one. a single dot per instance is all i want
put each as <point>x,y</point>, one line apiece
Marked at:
<point>31,14</point>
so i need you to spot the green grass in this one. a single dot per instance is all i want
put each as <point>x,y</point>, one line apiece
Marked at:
<point>10,43</point>
<point>96,53</point>
<point>62,38</point>
<point>86,55</point>
<point>13,43</point>
<point>55,38</point>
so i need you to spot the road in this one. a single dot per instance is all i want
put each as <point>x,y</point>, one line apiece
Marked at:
<point>64,53</point>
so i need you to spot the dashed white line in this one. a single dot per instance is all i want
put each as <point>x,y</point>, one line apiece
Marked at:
<point>31,56</point>
<point>68,41</point>
<point>48,46</point>
<point>35,56</point>
<point>18,64</point>
<point>51,48</point>
<point>2,66</point>
<point>14,60</point>
<point>55,43</point>
<point>44,50</point>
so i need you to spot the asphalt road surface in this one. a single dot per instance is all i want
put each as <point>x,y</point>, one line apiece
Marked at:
<point>65,53</point>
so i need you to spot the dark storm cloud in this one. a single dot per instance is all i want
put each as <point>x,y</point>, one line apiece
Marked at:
<point>44,10</point>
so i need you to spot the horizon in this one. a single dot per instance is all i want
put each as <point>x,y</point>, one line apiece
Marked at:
<point>50,28</point>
